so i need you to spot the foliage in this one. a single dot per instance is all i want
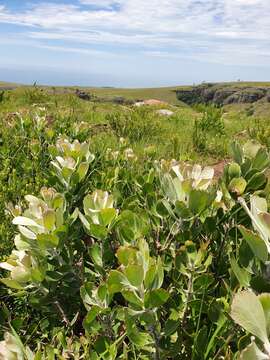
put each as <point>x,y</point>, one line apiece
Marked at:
<point>135,125</point>
<point>2,94</point>
<point>119,256</point>
<point>252,313</point>
<point>260,131</point>
<point>207,128</point>
<point>35,95</point>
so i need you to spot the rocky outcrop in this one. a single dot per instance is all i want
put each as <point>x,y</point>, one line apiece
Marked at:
<point>82,95</point>
<point>246,96</point>
<point>222,94</point>
<point>164,112</point>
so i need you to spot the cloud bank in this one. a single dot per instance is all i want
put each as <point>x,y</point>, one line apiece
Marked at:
<point>227,32</point>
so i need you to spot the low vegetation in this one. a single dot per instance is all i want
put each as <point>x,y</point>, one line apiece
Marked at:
<point>116,244</point>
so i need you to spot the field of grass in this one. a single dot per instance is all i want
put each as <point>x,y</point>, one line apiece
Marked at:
<point>126,248</point>
<point>171,136</point>
<point>6,85</point>
<point>247,84</point>
<point>166,94</point>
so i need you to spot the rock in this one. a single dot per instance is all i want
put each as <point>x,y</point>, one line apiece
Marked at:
<point>82,95</point>
<point>121,100</point>
<point>165,112</point>
<point>208,94</point>
<point>244,97</point>
<point>150,102</point>
<point>222,94</point>
<point>139,103</point>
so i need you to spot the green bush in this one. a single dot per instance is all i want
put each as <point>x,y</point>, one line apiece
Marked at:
<point>35,95</point>
<point>114,259</point>
<point>107,253</point>
<point>136,125</point>
<point>209,128</point>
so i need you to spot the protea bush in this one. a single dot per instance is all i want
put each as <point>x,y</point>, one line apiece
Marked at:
<point>120,260</point>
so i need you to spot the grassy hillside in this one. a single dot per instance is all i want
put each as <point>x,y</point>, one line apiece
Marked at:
<point>175,135</point>
<point>247,83</point>
<point>7,85</point>
<point>164,93</point>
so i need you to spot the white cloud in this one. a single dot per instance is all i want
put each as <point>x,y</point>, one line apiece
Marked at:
<point>78,50</point>
<point>102,3</point>
<point>202,29</point>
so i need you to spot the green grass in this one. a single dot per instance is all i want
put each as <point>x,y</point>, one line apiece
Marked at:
<point>171,136</point>
<point>246,84</point>
<point>166,94</point>
<point>5,85</point>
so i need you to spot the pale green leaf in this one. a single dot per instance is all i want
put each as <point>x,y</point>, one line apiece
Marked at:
<point>237,185</point>
<point>156,298</point>
<point>24,221</point>
<point>265,301</point>
<point>261,160</point>
<point>241,274</point>
<point>27,233</point>
<point>135,274</point>
<point>11,283</point>
<point>252,352</point>
<point>237,152</point>
<point>116,281</point>
<point>132,297</point>
<point>247,311</point>
<point>49,219</point>
<point>256,243</point>
<point>251,148</point>
<point>82,170</point>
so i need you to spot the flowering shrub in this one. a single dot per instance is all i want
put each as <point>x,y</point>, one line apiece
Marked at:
<point>162,263</point>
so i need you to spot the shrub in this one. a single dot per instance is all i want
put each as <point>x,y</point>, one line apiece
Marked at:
<point>113,262</point>
<point>136,125</point>
<point>208,128</point>
<point>35,95</point>
<point>114,257</point>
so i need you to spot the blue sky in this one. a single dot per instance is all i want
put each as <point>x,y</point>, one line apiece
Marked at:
<point>134,43</point>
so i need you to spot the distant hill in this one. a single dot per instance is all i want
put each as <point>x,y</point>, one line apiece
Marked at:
<point>166,94</point>
<point>217,93</point>
<point>8,86</point>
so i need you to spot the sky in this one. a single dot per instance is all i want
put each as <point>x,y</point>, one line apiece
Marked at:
<point>134,43</point>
